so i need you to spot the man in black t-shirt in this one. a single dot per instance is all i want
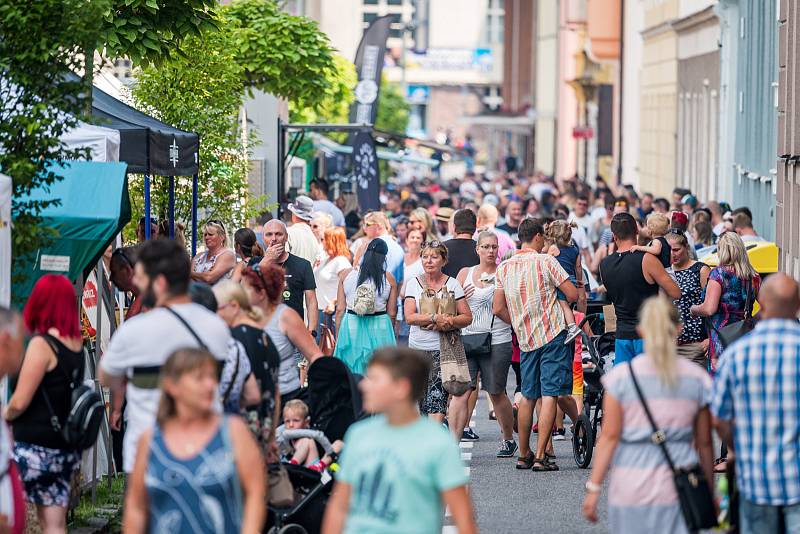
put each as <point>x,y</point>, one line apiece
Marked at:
<point>461,250</point>
<point>300,281</point>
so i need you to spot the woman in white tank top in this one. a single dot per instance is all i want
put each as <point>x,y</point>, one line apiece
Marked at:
<point>479,284</point>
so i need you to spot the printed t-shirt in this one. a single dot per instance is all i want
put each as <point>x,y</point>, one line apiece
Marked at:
<point>299,278</point>
<point>397,475</point>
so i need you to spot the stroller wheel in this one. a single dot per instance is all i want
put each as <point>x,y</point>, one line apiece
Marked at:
<point>582,441</point>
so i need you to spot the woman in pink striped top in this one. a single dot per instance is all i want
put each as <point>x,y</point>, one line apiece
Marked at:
<point>641,491</point>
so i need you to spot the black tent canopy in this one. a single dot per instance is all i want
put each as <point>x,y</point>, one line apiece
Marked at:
<point>147,145</point>
<point>152,148</point>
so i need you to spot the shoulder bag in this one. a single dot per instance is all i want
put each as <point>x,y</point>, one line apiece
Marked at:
<point>694,493</point>
<point>478,345</point>
<point>730,333</point>
<point>327,341</point>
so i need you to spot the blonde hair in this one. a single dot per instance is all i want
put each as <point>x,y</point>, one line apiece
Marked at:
<point>296,405</point>
<point>427,220</point>
<point>488,214</point>
<point>181,361</point>
<point>220,230</point>
<point>324,218</point>
<point>229,291</point>
<point>659,320</point>
<point>658,224</point>
<point>559,233</point>
<point>732,254</point>
<point>486,234</point>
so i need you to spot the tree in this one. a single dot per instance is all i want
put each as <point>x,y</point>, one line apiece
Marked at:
<point>202,91</point>
<point>392,109</point>
<point>334,106</point>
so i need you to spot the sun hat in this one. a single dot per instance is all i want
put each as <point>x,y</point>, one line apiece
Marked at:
<point>444,214</point>
<point>303,207</point>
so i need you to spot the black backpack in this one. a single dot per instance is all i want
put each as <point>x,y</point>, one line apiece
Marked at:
<point>85,415</point>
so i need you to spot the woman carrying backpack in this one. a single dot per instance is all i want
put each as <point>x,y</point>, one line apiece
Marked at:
<point>53,363</point>
<point>366,309</point>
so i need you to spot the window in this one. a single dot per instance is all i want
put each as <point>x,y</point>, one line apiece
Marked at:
<point>495,13</point>
<point>369,18</point>
<point>394,2</point>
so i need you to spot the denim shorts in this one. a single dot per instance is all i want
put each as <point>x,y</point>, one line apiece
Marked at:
<point>547,371</point>
<point>627,349</point>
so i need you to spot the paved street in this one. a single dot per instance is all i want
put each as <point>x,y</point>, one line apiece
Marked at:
<point>510,501</point>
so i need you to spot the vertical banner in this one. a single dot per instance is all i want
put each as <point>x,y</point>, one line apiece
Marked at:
<point>365,171</point>
<point>369,64</point>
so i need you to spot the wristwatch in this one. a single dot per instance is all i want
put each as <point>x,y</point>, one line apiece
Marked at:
<point>591,487</point>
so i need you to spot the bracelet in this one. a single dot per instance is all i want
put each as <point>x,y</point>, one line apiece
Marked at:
<point>591,487</point>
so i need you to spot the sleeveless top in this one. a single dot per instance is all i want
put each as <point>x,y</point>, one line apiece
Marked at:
<point>33,425</point>
<point>627,289</point>
<point>567,257</point>
<point>204,263</point>
<point>288,376</point>
<point>694,330</point>
<point>481,305</point>
<point>201,494</point>
<point>351,284</point>
<point>664,257</point>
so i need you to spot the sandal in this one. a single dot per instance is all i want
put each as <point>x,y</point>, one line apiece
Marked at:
<point>548,457</point>
<point>492,416</point>
<point>541,465</point>
<point>525,462</point>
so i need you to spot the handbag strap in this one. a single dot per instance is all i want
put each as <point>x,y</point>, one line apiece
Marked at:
<point>189,328</point>
<point>748,302</point>
<point>227,394</point>
<point>658,437</point>
<point>54,422</point>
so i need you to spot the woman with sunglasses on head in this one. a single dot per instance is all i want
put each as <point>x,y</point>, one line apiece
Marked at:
<point>479,284</point>
<point>425,330</point>
<point>216,262</point>
<point>692,277</point>
<point>246,247</point>
<point>366,308</point>
<point>283,325</point>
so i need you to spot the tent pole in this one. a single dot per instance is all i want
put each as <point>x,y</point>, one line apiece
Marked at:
<point>172,207</point>
<point>194,215</point>
<point>146,207</point>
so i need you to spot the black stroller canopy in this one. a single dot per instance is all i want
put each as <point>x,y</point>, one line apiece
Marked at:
<point>333,397</point>
<point>147,145</point>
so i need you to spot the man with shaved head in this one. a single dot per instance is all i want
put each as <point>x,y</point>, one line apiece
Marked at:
<point>757,406</point>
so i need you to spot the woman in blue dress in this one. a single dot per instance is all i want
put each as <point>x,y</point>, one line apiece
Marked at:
<point>196,471</point>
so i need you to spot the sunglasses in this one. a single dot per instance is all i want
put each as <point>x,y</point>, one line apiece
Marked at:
<point>676,231</point>
<point>432,244</point>
<point>256,267</point>
<point>216,222</point>
<point>620,204</point>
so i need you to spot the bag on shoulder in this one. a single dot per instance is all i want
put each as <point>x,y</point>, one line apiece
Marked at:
<point>365,299</point>
<point>82,424</point>
<point>453,364</point>
<point>327,341</point>
<point>730,333</point>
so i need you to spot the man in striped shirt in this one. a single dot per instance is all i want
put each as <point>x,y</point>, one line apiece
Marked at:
<point>757,406</point>
<point>525,297</point>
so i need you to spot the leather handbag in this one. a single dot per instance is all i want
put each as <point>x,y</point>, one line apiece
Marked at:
<point>729,333</point>
<point>694,494</point>
<point>327,341</point>
<point>281,491</point>
<point>478,345</point>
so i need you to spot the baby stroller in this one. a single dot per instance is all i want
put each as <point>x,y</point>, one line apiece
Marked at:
<point>334,404</point>
<point>584,433</point>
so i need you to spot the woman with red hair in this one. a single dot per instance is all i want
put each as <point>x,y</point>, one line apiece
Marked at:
<point>334,259</point>
<point>287,331</point>
<point>53,365</point>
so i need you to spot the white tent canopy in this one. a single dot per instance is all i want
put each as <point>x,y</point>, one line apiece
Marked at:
<point>102,142</point>
<point>5,240</point>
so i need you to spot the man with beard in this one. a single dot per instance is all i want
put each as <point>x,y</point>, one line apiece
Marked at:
<point>131,365</point>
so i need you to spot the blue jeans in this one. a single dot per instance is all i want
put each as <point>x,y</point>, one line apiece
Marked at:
<point>626,349</point>
<point>766,519</point>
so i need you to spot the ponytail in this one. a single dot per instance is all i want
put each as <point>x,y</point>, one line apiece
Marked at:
<point>659,320</point>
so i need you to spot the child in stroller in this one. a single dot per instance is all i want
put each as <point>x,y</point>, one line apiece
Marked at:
<point>334,404</point>
<point>584,432</point>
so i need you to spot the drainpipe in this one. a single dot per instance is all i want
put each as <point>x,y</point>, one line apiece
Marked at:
<point>621,88</point>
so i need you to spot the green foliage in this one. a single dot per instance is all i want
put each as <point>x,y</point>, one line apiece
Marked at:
<point>150,30</point>
<point>282,54</point>
<point>334,106</point>
<point>393,109</point>
<point>201,91</point>
<point>39,46</point>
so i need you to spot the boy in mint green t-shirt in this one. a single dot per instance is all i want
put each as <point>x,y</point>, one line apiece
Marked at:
<point>398,469</point>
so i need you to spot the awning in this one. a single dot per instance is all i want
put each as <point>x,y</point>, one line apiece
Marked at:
<point>147,145</point>
<point>94,207</point>
<point>103,143</point>
<point>331,147</point>
<point>515,123</point>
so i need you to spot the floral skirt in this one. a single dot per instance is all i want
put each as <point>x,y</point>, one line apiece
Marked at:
<point>435,399</point>
<point>46,473</point>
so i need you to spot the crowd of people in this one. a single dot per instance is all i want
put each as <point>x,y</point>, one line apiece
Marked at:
<point>444,291</point>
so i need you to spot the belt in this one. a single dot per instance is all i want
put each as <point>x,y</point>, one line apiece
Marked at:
<point>351,312</point>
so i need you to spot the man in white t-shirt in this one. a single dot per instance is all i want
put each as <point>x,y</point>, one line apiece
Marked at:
<point>302,241</point>
<point>143,344</point>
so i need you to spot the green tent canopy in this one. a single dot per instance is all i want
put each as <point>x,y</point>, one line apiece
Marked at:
<point>94,207</point>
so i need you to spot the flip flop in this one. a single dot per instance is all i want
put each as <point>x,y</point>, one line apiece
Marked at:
<point>525,462</point>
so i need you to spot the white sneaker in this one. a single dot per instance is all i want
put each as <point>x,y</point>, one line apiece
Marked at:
<point>572,333</point>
